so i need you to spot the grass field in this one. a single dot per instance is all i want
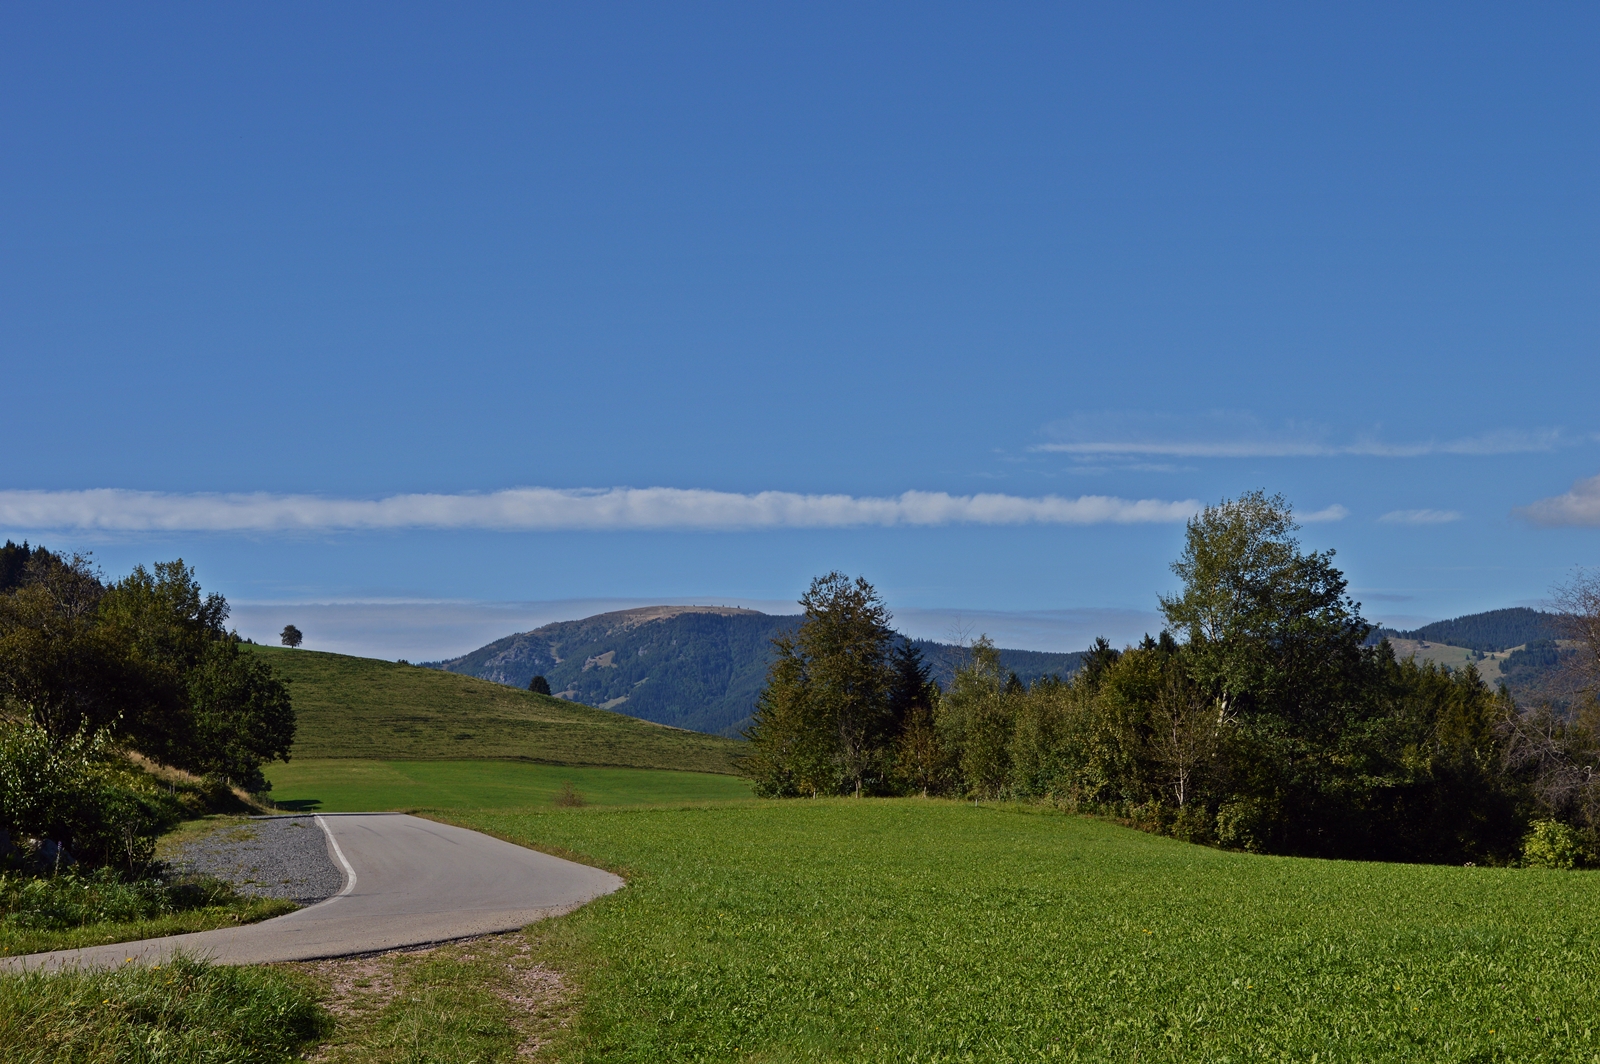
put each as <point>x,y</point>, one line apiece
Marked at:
<point>351,707</point>
<point>1454,657</point>
<point>355,785</point>
<point>930,931</point>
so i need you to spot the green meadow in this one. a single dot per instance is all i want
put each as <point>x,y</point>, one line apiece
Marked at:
<point>915,930</point>
<point>350,785</point>
<point>349,707</point>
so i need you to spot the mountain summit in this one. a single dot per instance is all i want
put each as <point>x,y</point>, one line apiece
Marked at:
<point>695,667</point>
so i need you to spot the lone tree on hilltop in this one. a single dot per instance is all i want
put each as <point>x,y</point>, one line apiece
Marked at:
<point>291,636</point>
<point>539,685</point>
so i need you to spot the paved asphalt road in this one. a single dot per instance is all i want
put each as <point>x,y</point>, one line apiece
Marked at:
<point>408,882</point>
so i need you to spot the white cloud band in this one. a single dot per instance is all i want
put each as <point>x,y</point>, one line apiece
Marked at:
<point>551,509</point>
<point>1579,507</point>
<point>1420,517</point>
<point>1330,513</point>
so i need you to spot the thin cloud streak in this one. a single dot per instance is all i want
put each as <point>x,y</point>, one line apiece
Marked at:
<point>552,509</point>
<point>1329,513</point>
<point>1578,508</point>
<point>1487,444</point>
<point>1420,517</point>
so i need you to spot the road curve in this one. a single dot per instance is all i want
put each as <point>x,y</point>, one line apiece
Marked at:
<point>408,882</point>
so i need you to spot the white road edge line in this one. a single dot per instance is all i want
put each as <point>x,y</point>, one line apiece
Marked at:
<point>350,883</point>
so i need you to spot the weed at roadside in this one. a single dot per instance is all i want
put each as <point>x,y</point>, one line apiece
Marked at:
<point>184,1012</point>
<point>40,913</point>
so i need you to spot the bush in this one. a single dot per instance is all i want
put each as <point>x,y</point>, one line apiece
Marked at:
<point>1552,844</point>
<point>77,793</point>
<point>75,899</point>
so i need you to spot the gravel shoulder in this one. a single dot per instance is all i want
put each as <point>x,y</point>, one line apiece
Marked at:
<point>271,857</point>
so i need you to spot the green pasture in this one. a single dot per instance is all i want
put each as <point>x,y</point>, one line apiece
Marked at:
<point>1450,657</point>
<point>349,785</point>
<point>914,930</point>
<point>349,707</point>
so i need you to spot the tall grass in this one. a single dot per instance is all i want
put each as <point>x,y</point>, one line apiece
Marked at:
<point>187,1012</point>
<point>79,909</point>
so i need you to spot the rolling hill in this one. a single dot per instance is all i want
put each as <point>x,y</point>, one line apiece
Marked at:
<point>1493,632</point>
<point>1517,647</point>
<point>695,667</point>
<point>351,707</point>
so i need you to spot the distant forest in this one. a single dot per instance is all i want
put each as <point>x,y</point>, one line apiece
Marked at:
<point>1490,633</point>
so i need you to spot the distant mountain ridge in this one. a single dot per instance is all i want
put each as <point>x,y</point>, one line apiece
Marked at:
<point>693,667</point>
<point>1491,632</point>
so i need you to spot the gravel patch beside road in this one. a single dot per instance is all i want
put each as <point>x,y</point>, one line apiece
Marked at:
<point>280,857</point>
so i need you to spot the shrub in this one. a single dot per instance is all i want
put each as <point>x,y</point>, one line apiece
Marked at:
<point>73,899</point>
<point>1552,844</point>
<point>76,792</point>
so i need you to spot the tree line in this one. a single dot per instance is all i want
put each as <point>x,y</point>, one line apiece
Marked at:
<point>1259,719</point>
<point>90,669</point>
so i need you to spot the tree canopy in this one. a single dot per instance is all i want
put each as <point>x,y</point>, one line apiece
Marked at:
<point>145,660</point>
<point>1257,720</point>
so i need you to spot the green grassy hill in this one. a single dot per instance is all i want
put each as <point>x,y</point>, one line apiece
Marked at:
<point>364,708</point>
<point>345,786</point>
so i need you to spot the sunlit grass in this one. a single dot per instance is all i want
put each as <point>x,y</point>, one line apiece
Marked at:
<point>919,931</point>
<point>71,910</point>
<point>349,785</point>
<point>349,707</point>
<point>187,1012</point>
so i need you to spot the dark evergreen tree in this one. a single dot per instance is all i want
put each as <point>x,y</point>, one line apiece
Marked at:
<point>13,564</point>
<point>910,686</point>
<point>823,724</point>
<point>539,685</point>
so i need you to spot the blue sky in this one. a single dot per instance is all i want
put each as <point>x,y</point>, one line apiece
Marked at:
<point>320,297</point>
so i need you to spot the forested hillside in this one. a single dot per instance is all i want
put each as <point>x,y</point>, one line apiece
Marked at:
<point>1490,633</point>
<point>696,667</point>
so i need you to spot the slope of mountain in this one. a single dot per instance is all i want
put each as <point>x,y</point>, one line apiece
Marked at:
<point>688,666</point>
<point>1492,632</point>
<point>1518,647</point>
<point>349,707</point>
<point>695,667</point>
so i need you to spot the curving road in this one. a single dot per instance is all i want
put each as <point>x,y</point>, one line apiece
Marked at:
<point>408,882</point>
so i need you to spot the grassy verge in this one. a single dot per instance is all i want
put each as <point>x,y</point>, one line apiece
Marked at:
<point>926,931</point>
<point>347,785</point>
<point>185,1012</point>
<point>488,999</point>
<point>364,708</point>
<point>70,910</point>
